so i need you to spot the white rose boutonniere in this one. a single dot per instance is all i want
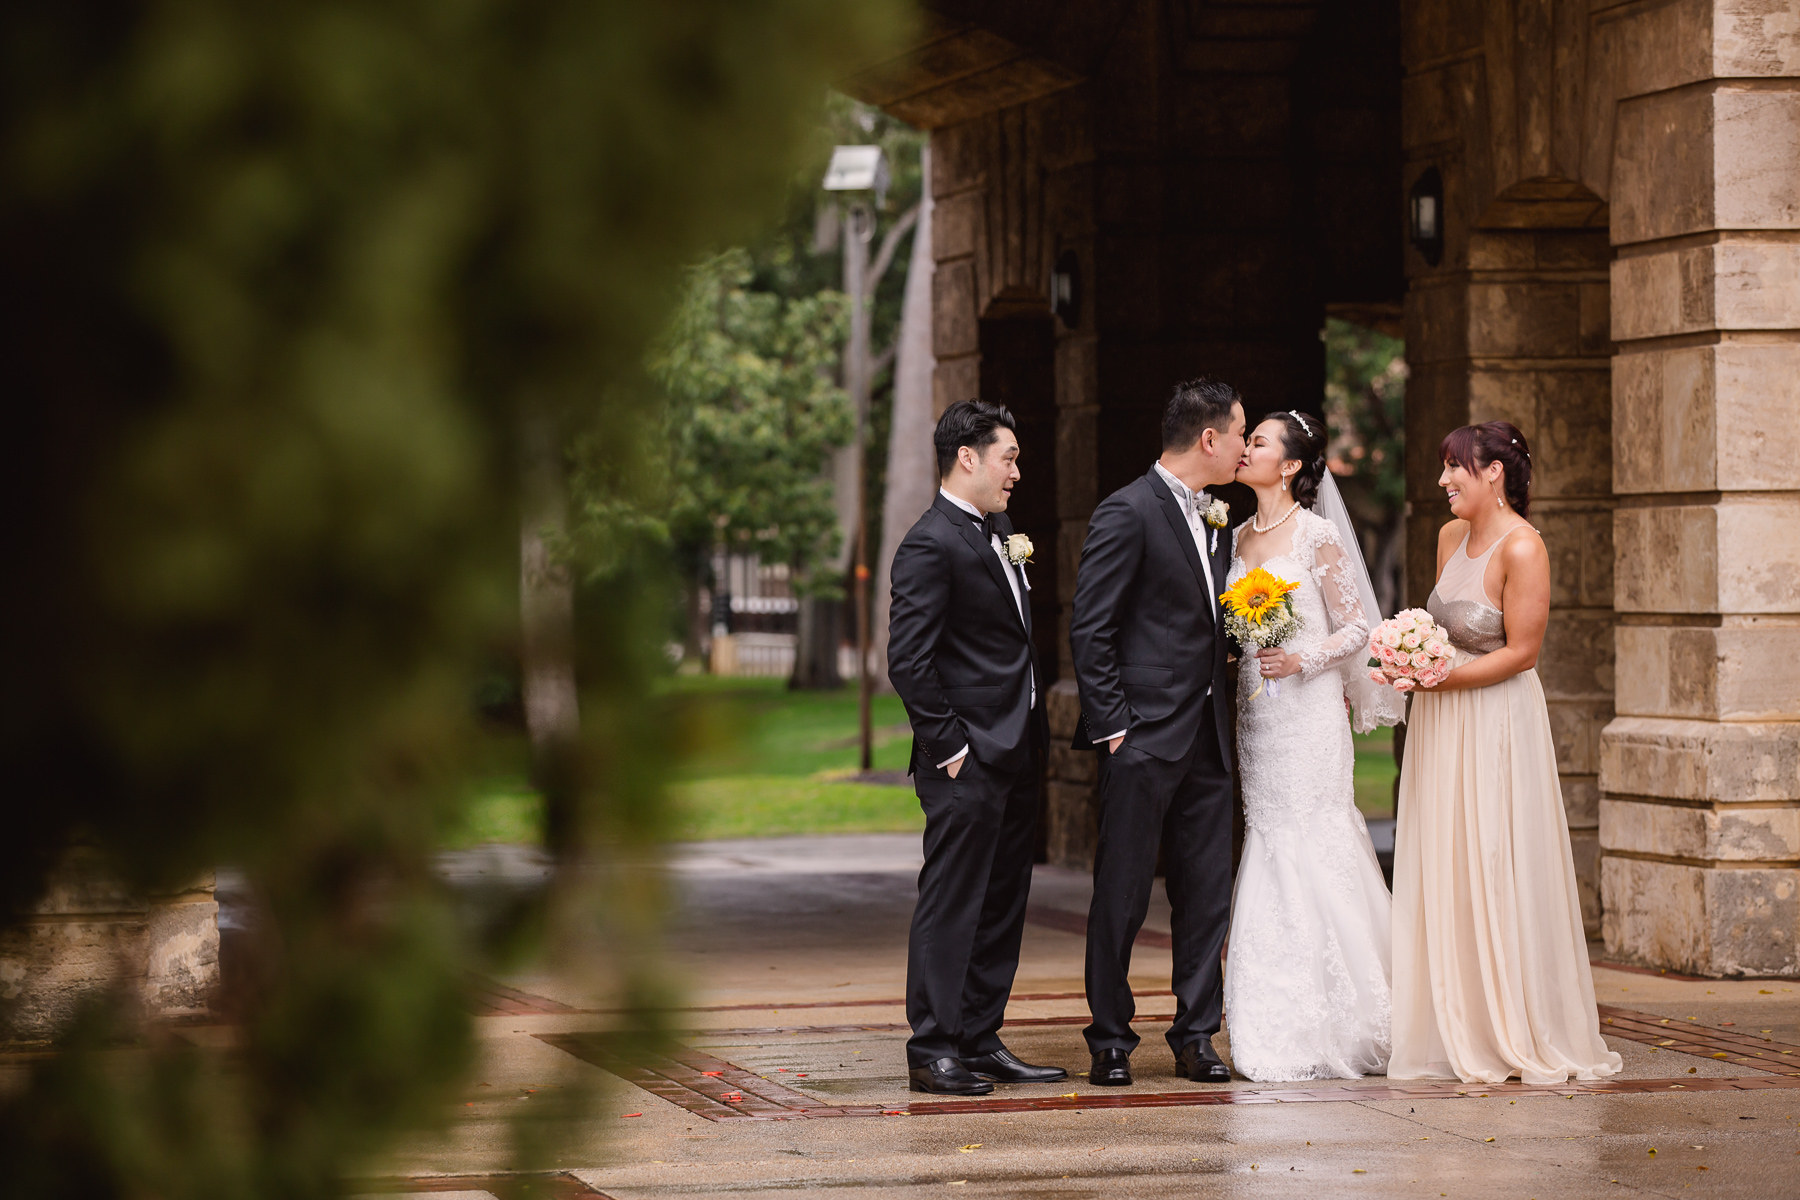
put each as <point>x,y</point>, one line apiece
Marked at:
<point>1216,514</point>
<point>1018,549</point>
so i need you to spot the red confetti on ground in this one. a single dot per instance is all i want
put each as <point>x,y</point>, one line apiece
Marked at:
<point>622,1116</point>
<point>712,1072</point>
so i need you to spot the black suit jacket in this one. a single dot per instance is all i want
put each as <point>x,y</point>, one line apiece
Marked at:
<point>959,652</point>
<point>1146,642</point>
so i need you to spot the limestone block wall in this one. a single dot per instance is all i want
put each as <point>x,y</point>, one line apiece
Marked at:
<point>89,935</point>
<point>1700,772</point>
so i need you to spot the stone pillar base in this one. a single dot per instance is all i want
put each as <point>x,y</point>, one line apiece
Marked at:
<point>88,936</point>
<point>1702,920</point>
<point>1700,828</point>
<point>1070,810</point>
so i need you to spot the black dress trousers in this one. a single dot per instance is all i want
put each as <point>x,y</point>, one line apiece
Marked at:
<point>1185,805</point>
<point>980,838</point>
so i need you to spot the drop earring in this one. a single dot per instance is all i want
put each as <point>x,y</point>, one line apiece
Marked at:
<point>1499,502</point>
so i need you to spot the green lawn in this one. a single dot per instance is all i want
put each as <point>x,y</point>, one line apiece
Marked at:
<point>763,761</point>
<point>1375,772</point>
<point>769,761</point>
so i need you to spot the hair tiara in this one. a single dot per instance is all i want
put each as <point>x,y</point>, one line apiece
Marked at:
<point>1304,424</point>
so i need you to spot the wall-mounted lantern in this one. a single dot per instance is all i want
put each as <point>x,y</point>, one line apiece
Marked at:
<point>1427,209</point>
<point>1065,289</point>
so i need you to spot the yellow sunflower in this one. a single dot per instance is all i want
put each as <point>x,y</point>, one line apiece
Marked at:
<point>1255,594</point>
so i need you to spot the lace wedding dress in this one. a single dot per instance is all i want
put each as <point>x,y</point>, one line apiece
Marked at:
<point>1307,967</point>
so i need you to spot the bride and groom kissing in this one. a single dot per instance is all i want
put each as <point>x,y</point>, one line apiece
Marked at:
<point>1310,984</point>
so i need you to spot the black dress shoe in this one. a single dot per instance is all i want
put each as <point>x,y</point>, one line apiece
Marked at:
<point>1112,1068</point>
<point>1199,1062</point>
<point>1002,1067</point>
<point>948,1077</point>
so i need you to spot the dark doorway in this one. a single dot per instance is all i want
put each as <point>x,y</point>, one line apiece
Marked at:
<point>1018,369</point>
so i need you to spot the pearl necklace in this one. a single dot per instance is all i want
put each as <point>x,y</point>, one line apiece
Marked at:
<point>1277,525</point>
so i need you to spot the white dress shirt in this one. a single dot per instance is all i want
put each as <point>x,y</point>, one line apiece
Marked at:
<point>1012,578</point>
<point>1193,507</point>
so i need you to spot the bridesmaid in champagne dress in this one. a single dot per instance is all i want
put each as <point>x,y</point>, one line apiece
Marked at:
<point>1491,976</point>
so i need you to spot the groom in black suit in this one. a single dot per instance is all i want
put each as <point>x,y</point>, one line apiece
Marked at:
<point>1150,664</point>
<point>960,656</point>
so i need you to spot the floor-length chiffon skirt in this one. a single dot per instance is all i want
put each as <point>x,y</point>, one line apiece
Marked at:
<point>1491,975</point>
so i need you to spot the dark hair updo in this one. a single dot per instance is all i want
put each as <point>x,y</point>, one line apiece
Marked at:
<point>1473,447</point>
<point>1303,438</point>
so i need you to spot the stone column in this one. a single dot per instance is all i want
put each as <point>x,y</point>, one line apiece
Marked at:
<point>1700,772</point>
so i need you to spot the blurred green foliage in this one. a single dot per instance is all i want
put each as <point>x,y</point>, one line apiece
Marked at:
<point>751,374</point>
<point>1365,405</point>
<point>284,280</point>
<point>753,415</point>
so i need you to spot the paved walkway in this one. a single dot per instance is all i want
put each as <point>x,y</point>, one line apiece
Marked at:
<point>788,1075</point>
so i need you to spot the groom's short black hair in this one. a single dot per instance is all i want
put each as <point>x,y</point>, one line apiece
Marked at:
<point>1196,405</point>
<point>968,423</point>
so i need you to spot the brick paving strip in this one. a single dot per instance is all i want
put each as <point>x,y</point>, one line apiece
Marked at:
<point>1704,1041</point>
<point>490,999</point>
<point>717,1090</point>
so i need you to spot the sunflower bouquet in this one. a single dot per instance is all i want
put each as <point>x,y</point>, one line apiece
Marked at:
<point>1259,612</point>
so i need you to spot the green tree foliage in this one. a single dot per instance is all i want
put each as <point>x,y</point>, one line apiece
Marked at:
<point>1365,404</point>
<point>791,263</point>
<point>284,280</point>
<point>753,414</point>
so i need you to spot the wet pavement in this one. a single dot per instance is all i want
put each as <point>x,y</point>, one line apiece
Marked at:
<point>788,1074</point>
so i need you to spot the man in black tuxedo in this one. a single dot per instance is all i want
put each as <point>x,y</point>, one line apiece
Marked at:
<point>1150,663</point>
<point>960,656</point>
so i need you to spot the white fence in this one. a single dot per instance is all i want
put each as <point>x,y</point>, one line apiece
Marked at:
<point>762,655</point>
<point>768,656</point>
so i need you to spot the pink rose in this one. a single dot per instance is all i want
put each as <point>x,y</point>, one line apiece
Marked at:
<point>1377,676</point>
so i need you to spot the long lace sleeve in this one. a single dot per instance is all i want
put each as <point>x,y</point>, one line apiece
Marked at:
<point>1337,586</point>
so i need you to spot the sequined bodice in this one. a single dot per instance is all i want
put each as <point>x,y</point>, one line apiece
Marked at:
<point>1472,625</point>
<point>1459,602</point>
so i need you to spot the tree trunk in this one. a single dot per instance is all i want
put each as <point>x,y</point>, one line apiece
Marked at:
<point>546,607</point>
<point>912,478</point>
<point>694,645</point>
<point>815,651</point>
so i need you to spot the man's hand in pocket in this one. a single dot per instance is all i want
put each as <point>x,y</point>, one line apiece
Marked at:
<point>956,766</point>
<point>1112,747</point>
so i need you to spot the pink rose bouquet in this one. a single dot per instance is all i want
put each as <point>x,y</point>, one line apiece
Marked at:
<point>1410,650</point>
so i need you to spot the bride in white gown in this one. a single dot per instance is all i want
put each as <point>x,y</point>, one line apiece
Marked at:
<point>1307,985</point>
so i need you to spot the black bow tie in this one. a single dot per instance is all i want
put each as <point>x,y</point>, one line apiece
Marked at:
<point>986,525</point>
